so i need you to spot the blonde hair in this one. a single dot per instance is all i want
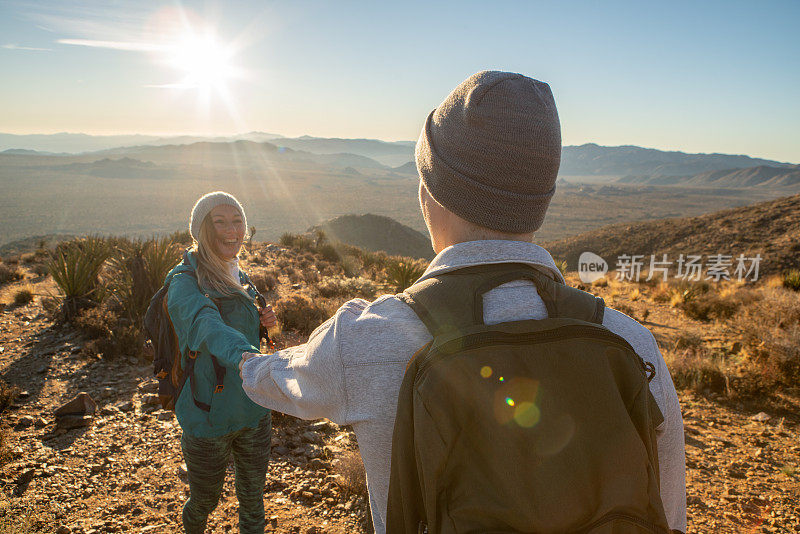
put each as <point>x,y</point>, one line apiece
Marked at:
<point>213,272</point>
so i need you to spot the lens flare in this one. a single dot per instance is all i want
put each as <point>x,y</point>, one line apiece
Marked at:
<point>527,414</point>
<point>486,371</point>
<point>515,401</point>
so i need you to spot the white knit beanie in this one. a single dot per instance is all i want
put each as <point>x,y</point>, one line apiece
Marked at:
<point>207,203</point>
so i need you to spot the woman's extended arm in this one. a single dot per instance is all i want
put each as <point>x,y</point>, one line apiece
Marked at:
<point>198,324</point>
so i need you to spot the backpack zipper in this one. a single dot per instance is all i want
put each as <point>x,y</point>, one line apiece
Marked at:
<point>508,338</point>
<point>652,527</point>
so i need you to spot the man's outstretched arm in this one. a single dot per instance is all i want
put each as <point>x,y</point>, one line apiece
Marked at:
<point>305,381</point>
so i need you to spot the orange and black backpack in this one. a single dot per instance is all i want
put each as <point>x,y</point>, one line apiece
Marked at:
<point>166,351</point>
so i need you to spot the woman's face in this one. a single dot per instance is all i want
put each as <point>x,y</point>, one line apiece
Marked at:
<point>228,231</point>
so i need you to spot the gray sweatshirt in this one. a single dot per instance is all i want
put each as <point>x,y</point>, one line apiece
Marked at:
<point>351,368</point>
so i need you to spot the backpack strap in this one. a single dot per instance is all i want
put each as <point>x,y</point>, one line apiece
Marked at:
<point>454,300</point>
<point>219,374</point>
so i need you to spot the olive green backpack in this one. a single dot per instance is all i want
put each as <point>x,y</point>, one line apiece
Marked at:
<point>543,426</point>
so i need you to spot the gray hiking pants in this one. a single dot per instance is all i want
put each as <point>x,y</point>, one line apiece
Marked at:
<point>206,462</point>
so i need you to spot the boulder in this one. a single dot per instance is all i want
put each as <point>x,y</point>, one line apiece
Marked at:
<point>81,404</point>
<point>67,422</point>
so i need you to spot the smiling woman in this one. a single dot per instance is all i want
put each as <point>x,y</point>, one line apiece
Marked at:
<point>211,306</point>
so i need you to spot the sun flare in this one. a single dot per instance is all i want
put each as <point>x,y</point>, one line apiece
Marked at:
<point>205,62</point>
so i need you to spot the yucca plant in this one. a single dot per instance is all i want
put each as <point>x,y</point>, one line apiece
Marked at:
<point>75,267</point>
<point>402,272</point>
<point>136,270</point>
<point>181,238</point>
<point>791,279</point>
<point>562,266</point>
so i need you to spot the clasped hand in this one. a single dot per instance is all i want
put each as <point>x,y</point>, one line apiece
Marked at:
<point>268,320</point>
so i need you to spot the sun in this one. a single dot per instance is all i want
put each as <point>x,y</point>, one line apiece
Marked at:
<point>204,61</point>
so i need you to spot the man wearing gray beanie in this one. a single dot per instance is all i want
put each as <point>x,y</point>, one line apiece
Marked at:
<point>488,158</point>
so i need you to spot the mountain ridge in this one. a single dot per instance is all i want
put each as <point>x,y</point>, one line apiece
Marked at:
<point>760,176</point>
<point>588,159</point>
<point>377,233</point>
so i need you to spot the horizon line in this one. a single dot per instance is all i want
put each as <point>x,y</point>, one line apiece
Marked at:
<point>282,136</point>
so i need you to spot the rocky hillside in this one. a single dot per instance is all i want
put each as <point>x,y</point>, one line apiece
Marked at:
<point>376,232</point>
<point>767,228</point>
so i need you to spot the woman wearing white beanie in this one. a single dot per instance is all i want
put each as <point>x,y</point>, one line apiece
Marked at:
<point>211,304</point>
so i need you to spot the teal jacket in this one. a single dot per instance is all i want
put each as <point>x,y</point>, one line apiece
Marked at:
<point>226,333</point>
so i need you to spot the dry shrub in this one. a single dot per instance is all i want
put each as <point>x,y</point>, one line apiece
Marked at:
<point>96,322</point>
<point>26,516</point>
<point>50,305</point>
<point>661,293</point>
<point>654,280</point>
<point>40,269</point>
<point>310,276</point>
<point>109,334</point>
<point>294,275</point>
<point>352,476</point>
<point>7,395</point>
<point>791,279</point>
<point>28,258</point>
<point>721,304</point>
<point>624,308</point>
<point>770,330</point>
<point>257,259</point>
<point>688,340</point>
<point>23,296</point>
<point>300,314</point>
<point>326,268</point>
<point>6,454</point>
<point>370,259</point>
<point>696,369</point>
<point>265,281</point>
<point>329,252</point>
<point>600,282</point>
<point>9,274</point>
<point>351,266</point>
<point>300,242</point>
<point>347,287</point>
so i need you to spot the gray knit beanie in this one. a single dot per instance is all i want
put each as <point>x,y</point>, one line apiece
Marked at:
<point>490,152</point>
<point>207,203</point>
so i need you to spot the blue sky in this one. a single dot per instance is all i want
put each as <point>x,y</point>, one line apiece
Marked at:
<point>693,76</point>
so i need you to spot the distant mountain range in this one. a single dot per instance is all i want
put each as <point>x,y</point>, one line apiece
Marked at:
<point>77,143</point>
<point>591,159</point>
<point>238,154</point>
<point>767,228</point>
<point>761,176</point>
<point>376,232</point>
<point>584,160</point>
<point>386,153</point>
